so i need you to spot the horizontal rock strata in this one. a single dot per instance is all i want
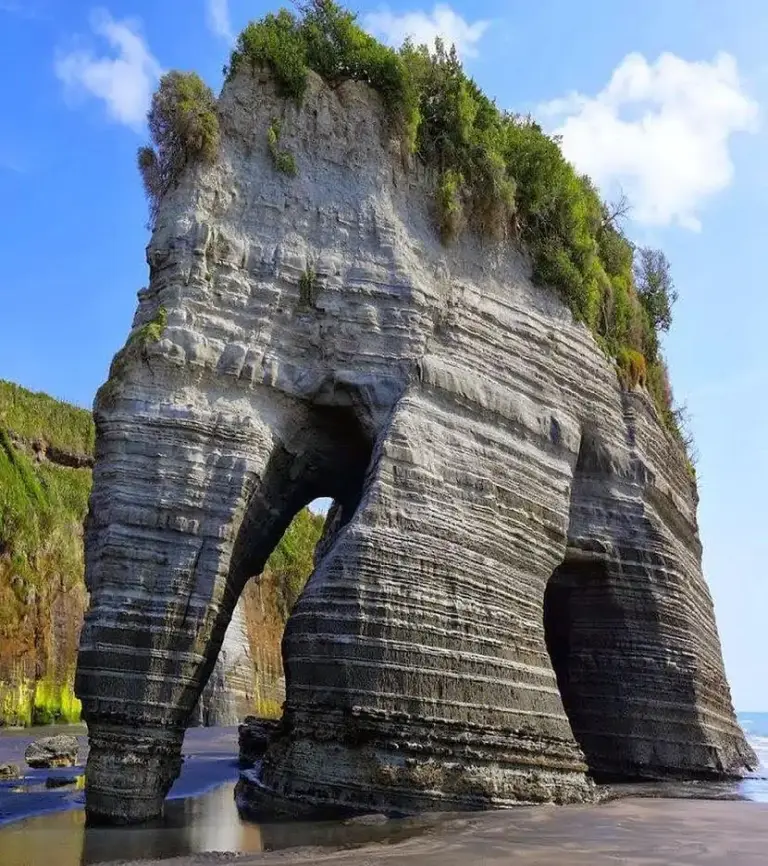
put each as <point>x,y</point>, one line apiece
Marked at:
<point>479,450</point>
<point>228,695</point>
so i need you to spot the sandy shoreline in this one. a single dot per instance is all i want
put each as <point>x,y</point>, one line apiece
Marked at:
<point>650,830</point>
<point>630,832</point>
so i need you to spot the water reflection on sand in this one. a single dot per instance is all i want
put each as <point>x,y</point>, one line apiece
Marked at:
<point>190,826</point>
<point>206,823</point>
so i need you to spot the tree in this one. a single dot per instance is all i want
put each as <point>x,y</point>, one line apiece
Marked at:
<point>616,211</point>
<point>655,287</point>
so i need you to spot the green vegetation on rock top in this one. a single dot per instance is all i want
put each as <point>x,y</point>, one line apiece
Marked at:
<point>498,174</point>
<point>36,416</point>
<point>184,127</point>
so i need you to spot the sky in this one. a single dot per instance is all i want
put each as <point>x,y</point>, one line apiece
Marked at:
<point>665,101</point>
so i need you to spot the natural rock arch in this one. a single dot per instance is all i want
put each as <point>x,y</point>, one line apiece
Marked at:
<point>474,437</point>
<point>622,636</point>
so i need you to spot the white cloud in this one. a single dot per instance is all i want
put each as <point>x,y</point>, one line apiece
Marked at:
<point>423,27</point>
<point>218,19</point>
<point>20,9</point>
<point>661,131</point>
<point>123,79</point>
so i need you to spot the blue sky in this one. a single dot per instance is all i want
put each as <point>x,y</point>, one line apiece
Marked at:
<point>665,100</point>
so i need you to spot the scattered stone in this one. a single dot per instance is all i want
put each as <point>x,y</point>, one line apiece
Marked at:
<point>60,781</point>
<point>253,736</point>
<point>49,752</point>
<point>372,819</point>
<point>9,771</point>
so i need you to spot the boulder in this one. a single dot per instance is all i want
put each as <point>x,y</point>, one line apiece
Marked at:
<point>9,771</point>
<point>58,751</point>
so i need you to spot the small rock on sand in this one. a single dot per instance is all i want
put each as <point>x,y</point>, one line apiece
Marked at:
<point>9,771</point>
<point>60,781</point>
<point>58,751</point>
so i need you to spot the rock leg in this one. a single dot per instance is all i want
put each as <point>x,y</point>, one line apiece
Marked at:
<point>170,491</point>
<point>416,668</point>
<point>632,634</point>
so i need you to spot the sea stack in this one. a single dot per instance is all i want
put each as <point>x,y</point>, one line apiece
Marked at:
<point>508,600</point>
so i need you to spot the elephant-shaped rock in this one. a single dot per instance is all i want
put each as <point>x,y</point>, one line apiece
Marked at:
<point>508,599</point>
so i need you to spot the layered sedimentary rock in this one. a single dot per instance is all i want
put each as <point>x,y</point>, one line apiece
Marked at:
<point>509,590</point>
<point>45,461</point>
<point>229,694</point>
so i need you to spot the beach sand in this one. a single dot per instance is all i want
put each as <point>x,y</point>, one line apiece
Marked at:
<point>630,832</point>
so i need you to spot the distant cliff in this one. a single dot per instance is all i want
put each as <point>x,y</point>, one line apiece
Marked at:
<point>46,455</point>
<point>46,450</point>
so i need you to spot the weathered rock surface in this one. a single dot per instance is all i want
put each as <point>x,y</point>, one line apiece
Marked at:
<point>49,752</point>
<point>253,737</point>
<point>9,771</point>
<point>229,693</point>
<point>479,450</point>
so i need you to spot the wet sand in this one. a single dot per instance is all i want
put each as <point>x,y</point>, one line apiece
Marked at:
<point>631,832</point>
<point>40,827</point>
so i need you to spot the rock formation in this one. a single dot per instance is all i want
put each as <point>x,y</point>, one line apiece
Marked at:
<point>49,752</point>
<point>509,591</point>
<point>45,462</point>
<point>228,696</point>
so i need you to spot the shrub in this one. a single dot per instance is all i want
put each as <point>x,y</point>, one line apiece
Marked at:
<point>655,286</point>
<point>184,127</point>
<point>150,332</point>
<point>450,208</point>
<point>308,288</point>
<point>326,39</point>
<point>282,159</point>
<point>632,368</point>
<point>275,42</point>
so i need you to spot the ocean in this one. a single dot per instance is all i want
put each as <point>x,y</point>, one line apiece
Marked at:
<point>755,726</point>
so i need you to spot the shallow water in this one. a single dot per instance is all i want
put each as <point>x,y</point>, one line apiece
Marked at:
<point>201,815</point>
<point>193,825</point>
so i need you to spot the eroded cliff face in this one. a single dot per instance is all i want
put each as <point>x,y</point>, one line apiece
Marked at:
<point>44,484</point>
<point>320,341</point>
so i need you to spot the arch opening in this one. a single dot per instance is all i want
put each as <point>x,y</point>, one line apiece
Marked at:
<point>278,544</point>
<point>584,624</point>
